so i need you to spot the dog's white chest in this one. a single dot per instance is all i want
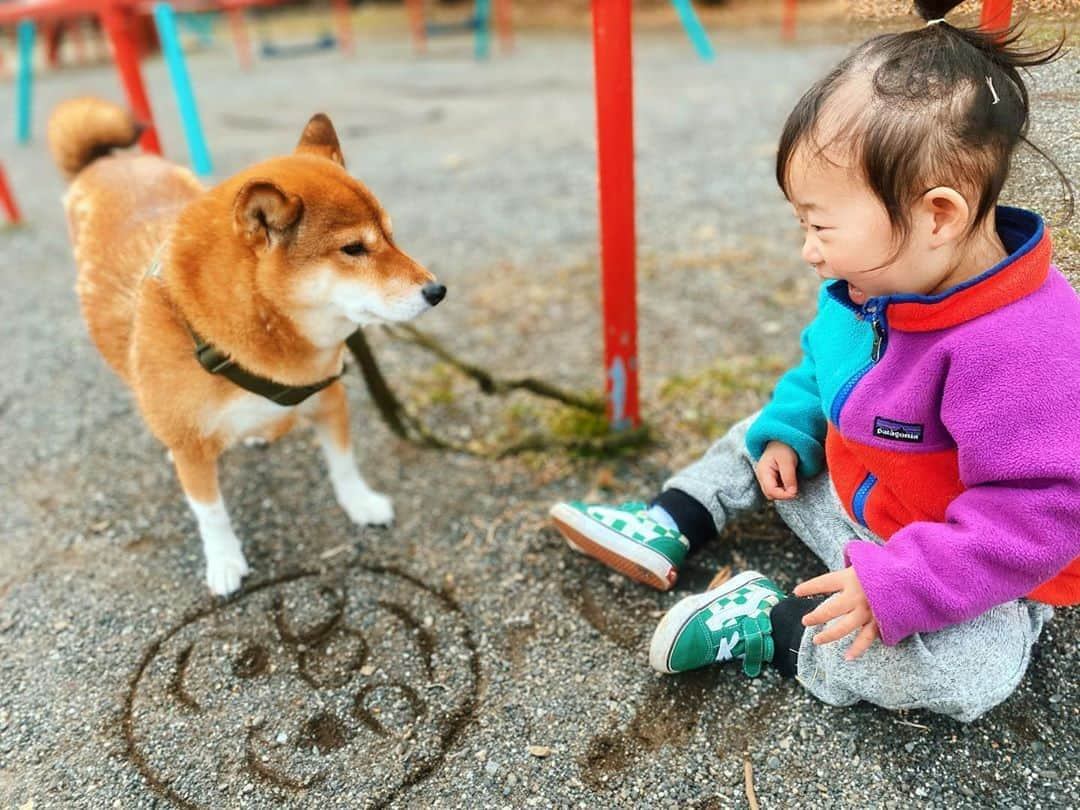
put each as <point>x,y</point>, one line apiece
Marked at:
<point>245,415</point>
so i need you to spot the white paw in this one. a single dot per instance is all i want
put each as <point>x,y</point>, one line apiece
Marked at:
<point>256,441</point>
<point>367,508</point>
<point>225,571</point>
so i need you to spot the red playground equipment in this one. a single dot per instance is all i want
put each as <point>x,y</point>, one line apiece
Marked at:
<point>996,14</point>
<point>612,43</point>
<point>121,22</point>
<point>7,200</point>
<point>117,19</point>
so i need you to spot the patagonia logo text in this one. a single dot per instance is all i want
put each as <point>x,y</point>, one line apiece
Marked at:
<point>900,431</point>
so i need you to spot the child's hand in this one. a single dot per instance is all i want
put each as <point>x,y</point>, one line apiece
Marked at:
<point>849,601</point>
<point>775,472</point>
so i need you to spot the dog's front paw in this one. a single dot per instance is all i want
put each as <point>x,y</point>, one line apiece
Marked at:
<point>368,508</point>
<point>225,571</point>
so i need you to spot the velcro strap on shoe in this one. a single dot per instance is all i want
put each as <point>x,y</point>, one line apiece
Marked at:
<point>758,644</point>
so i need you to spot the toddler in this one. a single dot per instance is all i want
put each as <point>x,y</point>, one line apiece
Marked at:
<point>927,447</point>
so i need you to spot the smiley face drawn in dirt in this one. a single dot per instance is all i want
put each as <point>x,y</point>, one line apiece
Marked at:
<point>306,691</point>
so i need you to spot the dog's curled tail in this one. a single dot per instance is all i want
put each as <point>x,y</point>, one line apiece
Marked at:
<point>83,129</point>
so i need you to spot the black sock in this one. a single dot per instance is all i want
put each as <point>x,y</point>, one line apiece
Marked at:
<point>693,519</point>
<point>787,631</point>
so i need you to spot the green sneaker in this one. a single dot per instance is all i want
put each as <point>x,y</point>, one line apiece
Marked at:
<point>624,538</point>
<point>731,621</point>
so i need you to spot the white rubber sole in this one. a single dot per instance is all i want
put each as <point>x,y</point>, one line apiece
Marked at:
<point>592,538</point>
<point>663,640</point>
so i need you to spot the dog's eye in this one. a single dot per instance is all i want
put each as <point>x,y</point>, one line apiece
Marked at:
<point>355,249</point>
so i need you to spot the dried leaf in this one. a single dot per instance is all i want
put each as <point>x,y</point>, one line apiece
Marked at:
<point>605,479</point>
<point>722,576</point>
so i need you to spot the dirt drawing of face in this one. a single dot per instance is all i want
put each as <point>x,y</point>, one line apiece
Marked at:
<point>303,690</point>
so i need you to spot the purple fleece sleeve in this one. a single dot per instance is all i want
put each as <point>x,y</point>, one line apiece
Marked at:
<point>1014,411</point>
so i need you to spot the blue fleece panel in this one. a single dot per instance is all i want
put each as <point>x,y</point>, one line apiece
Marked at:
<point>806,395</point>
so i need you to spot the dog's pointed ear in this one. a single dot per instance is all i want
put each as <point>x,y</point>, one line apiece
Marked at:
<point>264,212</point>
<point>319,138</point>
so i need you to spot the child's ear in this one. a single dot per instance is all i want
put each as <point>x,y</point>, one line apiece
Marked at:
<point>319,138</point>
<point>946,213</point>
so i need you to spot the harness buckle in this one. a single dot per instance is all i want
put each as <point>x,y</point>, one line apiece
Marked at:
<point>212,359</point>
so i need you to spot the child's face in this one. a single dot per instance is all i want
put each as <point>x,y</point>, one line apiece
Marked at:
<point>848,233</point>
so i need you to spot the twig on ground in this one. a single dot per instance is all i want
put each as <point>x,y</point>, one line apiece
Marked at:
<point>913,725</point>
<point>748,777</point>
<point>333,552</point>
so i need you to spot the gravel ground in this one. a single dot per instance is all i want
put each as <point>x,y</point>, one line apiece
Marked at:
<point>463,657</point>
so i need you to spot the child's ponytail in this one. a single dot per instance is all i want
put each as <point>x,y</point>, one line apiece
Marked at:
<point>992,63</point>
<point>933,9</point>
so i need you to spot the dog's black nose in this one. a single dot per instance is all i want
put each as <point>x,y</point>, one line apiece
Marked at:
<point>434,293</point>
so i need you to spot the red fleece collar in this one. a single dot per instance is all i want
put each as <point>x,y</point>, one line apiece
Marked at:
<point>1023,272</point>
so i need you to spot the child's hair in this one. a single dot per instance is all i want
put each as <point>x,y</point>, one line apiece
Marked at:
<point>940,105</point>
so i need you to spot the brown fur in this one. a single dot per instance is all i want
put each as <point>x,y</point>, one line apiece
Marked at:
<point>83,129</point>
<point>230,257</point>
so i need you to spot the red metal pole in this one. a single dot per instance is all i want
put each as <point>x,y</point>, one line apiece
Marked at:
<point>241,41</point>
<point>419,27</point>
<point>117,21</point>
<point>996,14</point>
<point>51,33</point>
<point>791,17</point>
<point>7,200</point>
<point>345,34</point>
<point>143,37</point>
<point>612,45</point>
<point>504,24</point>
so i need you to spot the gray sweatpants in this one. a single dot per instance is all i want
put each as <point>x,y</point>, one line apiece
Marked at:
<point>961,671</point>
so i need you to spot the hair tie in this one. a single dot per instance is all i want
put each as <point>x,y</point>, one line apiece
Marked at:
<point>934,22</point>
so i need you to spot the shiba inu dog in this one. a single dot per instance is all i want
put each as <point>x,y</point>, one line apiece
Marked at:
<point>225,310</point>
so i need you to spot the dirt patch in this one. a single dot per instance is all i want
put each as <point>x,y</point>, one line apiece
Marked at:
<point>668,716</point>
<point>325,732</point>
